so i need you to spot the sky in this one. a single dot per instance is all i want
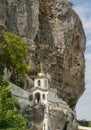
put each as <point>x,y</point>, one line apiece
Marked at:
<point>83,9</point>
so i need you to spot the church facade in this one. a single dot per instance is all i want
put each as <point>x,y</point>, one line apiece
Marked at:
<point>42,94</point>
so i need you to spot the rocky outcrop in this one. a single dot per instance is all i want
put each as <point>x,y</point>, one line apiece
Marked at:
<point>62,117</point>
<point>55,37</point>
<point>60,45</point>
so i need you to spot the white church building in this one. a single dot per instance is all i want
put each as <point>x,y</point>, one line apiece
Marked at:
<point>42,93</point>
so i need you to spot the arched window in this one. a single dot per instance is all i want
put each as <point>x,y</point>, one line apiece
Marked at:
<point>43,96</point>
<point>39,83</point>
<point>30,97</point>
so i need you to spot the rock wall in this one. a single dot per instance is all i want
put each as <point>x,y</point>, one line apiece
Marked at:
<point>55,37</point>
<point>60,45</point>
<point>62,117</point>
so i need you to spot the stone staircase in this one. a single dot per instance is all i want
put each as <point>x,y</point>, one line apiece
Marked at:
<point>38,116</point>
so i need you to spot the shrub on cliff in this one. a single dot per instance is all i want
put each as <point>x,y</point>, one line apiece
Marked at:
<point>13,53</point>
<point>10,119</point>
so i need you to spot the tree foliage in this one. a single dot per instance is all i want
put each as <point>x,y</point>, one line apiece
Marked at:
<point>9,118</point>
<point>84,123</point>
<point>89,124</point>
<point>13,53</point>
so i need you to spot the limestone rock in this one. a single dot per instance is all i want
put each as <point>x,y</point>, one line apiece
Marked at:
<point>55,37</point>
<point>60,45</point>
<point>63,118</point>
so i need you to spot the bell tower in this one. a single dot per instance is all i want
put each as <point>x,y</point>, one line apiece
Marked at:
<point>41,81</point>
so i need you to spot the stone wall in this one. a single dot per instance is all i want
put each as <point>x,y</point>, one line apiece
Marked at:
<point>20,95</point>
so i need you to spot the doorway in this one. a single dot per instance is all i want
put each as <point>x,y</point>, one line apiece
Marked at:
<point>37,97</point>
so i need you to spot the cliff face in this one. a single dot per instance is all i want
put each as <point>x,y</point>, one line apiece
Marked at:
<point>55,37</point>
<point>66,120</point>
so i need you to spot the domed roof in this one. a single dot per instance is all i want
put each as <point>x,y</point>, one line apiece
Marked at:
<point>41,73</point>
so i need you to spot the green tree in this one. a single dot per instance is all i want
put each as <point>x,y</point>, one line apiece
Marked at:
<point>13,53</point>
<point>83,122</point>
<point>9,118</point>
<point>89,124</point>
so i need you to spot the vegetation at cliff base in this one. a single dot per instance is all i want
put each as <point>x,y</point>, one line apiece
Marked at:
<point>10,119</point>
<point>13,54</point>
<point>84,123</point>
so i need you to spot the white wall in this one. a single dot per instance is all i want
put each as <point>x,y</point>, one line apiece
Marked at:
<point>20,95</point>
<point>49,123</point>
<point>52,96</point>
<point>43,83</point>
<point>41,95</point>
<point>45,123</point>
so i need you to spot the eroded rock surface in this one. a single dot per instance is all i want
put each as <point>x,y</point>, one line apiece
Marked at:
<point>62,117</point>
<point>55,37</point>
<point>60,45</point>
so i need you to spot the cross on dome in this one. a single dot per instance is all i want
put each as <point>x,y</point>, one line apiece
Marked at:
<point>41,73</point>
